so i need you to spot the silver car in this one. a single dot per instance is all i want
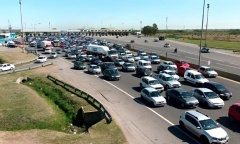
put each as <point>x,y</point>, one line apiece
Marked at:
<point>94,69</point>
<point>208,97</point>
<point>153,96</point>
<point>128,67</point>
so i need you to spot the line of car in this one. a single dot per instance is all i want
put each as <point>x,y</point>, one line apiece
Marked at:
<point>207,93</point>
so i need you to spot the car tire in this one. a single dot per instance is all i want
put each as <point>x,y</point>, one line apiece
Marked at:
<point>141,85</point>
<point>182,126</point>
<point>204,140</point>
<point>182,105</point>
<point>11,68</point>
<point>168,98</point>
<point>167,87</point>
<point>142,97</point>
<point>206,104</point>
<point>231,118</point>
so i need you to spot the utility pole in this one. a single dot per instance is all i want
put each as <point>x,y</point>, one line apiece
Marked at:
<point>20,3</point>
<point>166,23</point>
<point>140,25</point>
<point>199,60</point>
<point>208,6</point>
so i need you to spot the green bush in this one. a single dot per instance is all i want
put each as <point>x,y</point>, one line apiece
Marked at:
<point>2,61</point>
<point>46,88</point>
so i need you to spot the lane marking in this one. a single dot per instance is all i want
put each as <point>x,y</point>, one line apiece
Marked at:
<point>228,65</point>
<point>169,122</point>
<point>218,67</point>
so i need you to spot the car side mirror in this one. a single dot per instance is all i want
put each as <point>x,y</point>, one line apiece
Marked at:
<point>217,123</point>
<point>198,127</point>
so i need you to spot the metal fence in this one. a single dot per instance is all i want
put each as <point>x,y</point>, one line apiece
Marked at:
<point>96,103</point>
<point>27,68</point>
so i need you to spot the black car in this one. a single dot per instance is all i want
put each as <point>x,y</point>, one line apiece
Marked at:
<point>79,65</point>
<point>111,74</point>
<point>80,58</point>
<point>219,89</point>
<point>161,68</point>
<point>161,38</point>
<point>181,97</point>
<point>142,71</point>
<point>106,65</point>
<point>205,50</point>
<point>96,61</point>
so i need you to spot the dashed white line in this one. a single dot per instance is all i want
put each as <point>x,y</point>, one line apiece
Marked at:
<point>228,65</point>
<point>218,68</point>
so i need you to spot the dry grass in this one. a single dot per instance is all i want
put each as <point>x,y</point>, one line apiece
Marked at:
<point>15,55</point>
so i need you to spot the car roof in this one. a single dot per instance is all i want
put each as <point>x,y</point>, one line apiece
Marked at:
<point>166,75</point>
<point>193,72</point>
<point>198,115</point>
<point>236,104</point>
<point>143,61</point>
<point>204,66</point>
<point>150,89</point>
<point>204,89</point>
<point>92,65</point>
<point>168,70</point>
<point>149,78</point>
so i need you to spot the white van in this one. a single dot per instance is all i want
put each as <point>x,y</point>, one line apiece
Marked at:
<point>194,77</point>
<point>145,64</point>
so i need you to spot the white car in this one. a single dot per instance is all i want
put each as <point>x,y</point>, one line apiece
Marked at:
<point>145,64</point>
<point>154,59</point>
<point>194,77</point>
<point>207,71</point>
<point>128,59</point>
<point>72,56</point>
<point>6,66</point>
<point>153,96</point>
<point>48,50</point>
<point>169,63</point>
<point>128,53</point>
<point>136,57</point>
<point>167,80</point>
<point>172,73</point>
<point>202,126</point>
<point>143,56</point>
<point>207,97</point>
<point>53,55</point>
<point>88,57</point>
<point>94,69</point>
<point>148,81</point>
<point>41,59</point>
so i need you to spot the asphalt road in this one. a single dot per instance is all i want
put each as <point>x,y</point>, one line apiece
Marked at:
<point>219,59</point>
<point>167,117</point>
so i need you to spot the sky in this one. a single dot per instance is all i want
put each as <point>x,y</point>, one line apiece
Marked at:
<point>119,14</point>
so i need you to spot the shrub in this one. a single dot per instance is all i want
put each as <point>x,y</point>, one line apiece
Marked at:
<point>2,61</point>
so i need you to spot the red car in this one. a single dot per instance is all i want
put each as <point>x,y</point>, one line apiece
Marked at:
<point>181,70</point>
<point>234,112</point>
<point>182,63</point>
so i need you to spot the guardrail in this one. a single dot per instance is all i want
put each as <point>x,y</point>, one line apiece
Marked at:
<point>221,73</point>
<point>25,62</point>
<point>27,68</point>
<point>107,116</point>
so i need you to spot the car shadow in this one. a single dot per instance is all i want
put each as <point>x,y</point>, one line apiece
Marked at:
<point>135,75</point>
<point>141,101</point>
<point>233,126</point>
<point>174,105</point>
<point>155,72</point>
<point>181,134</point>
<point>183,82</point>
<point>137,89</point>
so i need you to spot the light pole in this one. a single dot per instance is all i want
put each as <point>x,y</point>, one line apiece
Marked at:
<point>35,36</point>
<point>20,3</point>
<point>199,59</point>
<point>206,26</point>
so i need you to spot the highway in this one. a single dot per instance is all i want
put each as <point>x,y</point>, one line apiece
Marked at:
<point>167,117</point>
<point>219,59</point>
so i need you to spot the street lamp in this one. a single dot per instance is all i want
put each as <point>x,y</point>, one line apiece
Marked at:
<point>206,26</point>
<point>199,59</point>
<point>20,3</point>
<point>35,36</point>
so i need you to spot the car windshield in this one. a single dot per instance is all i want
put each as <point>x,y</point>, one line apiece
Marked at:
<point>208,124</point>
<point>209,69</point>
<point>1,65</point>
<point>95,67</point>
<point>171,73</point>
<point>220,87</point>
<point>199,76</point>
<point>40,57</point>
<point>154,57</point>
<point>169,78</point>
<point>144,54</point>
<point>170,63</point>
<point>146,64</point>
<point>113,71</point>
<point>211,95</point>
<point>111,64</point>
<point>155,94</point>
<point>153,82</point>
<point>128,64</point>
<point>183,62</point>
<point>186,95</point>
<point>120,60</point>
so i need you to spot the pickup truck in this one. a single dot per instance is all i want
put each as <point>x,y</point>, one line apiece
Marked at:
<point>167,80</point>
